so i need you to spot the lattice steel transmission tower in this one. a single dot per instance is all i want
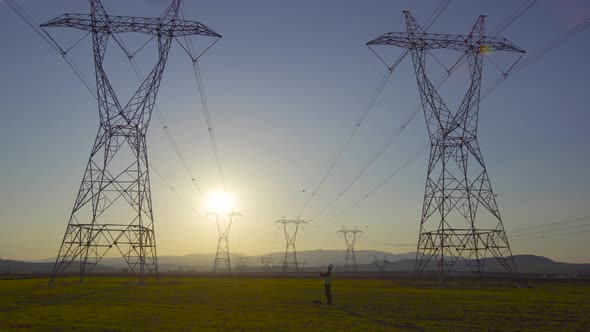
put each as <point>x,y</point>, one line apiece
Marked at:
<point>113,208</point>
<point>381,265</point>
<point>265,263</point>
<point>350,236</point>
<point>457,184</point>
<point>241,262</point>
<point>291,228</point>
<point>224,221</point>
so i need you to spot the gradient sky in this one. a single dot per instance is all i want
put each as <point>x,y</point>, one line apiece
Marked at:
<point>285,85</point>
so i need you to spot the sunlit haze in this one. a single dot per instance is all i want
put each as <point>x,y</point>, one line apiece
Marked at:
<point>220,202</point>
<point>285,85</point>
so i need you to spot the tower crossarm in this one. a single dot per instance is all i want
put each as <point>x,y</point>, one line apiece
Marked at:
<point>430,41</point>
<point>122,24</point>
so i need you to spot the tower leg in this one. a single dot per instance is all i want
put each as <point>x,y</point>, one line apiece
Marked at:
<point>222,257</point>
<point>106,200</point>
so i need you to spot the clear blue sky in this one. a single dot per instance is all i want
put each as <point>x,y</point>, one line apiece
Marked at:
<point>285,84</point>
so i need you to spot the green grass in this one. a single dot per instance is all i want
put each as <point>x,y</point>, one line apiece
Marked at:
<point>258,304</point>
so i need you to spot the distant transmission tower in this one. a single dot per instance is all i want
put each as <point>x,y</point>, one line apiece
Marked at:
<point>222,257</point>
<point>457,182</point>
<point>113,209</point>
<point>291,227</point>
<point>381,265</point>
<point>350,236</point>
<point>265,263</point>
<point>241,262</point>
<point>302,266</point>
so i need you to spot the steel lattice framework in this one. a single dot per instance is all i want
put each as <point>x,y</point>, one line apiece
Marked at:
<point>291,228</point>
<point>350,236</point>
<point>113,208</point>
<point>381,265</point>
<point>265,263</point>
<point>222,256</point>
<point>457,182</point>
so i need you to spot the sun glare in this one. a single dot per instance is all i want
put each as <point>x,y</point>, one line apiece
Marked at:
<point>485,49</point>
<point>220,202</point>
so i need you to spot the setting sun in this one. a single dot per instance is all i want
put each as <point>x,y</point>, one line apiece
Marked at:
<point>220,202</point>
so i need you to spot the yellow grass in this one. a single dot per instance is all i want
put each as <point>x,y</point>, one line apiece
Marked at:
<point>259,304</point>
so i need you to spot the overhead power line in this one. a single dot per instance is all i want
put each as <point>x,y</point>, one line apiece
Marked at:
<point>190,50</point>
<point>546,231</point>
<point>561,231</point>
<point>392,138</point>
<point>41,32</point>
<point>201,89</point>
<point>377,187</point>
<point>537,55</point>
<point>365,111</point>
<point>167,129</point>
<point>554,44</point>
<point>349,138</point>
<point>550,235</point>
<point>551,224</point>
<point>526,5</point>
<point>436,14</point>
<point>173,190</point>
<point>556,228</point>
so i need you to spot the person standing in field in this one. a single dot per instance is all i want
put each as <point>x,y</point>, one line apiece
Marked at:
<point>328,283</point>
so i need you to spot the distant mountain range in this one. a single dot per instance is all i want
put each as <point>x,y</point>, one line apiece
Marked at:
<point>311,260</point>
<point>528,264</point>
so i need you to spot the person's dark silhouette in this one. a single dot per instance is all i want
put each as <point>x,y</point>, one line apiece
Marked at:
<point>328,283</point>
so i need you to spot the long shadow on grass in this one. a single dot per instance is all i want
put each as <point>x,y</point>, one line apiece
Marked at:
<point>377,321</point>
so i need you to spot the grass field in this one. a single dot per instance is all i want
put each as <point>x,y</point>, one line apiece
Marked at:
<point>258,304</point>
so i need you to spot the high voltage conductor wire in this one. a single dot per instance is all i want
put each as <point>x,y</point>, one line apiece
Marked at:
<point>548,234</point>
<point>392,138</point>
<point>390,141</point>
<point>545,231</point>
<point>365,111</point>
<point>535,57</point>
<point>351,135</point>
<point>178,196</point>
<point>518,13</point>
<point>201,89</point>
<point>377,187</point>
<point>557,228</point>
<point>552,224</point>
<point>518,238</point>
<point>506,23</point>
<point>552,227</point>
<point>24,16</point>
<point>515,16</point>
<point>167,130</point>
<point>190,50</point>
